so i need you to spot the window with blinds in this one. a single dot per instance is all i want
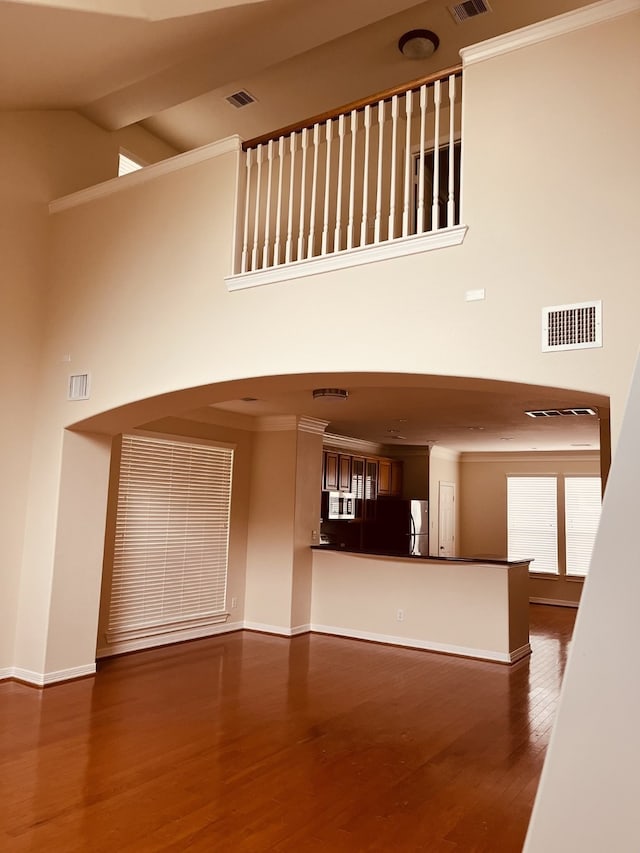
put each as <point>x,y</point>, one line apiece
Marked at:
<point>532,521</point>
<point>171,538</point>
<point>582,505</point>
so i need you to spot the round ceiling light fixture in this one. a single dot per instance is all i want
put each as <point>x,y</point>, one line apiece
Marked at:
<point>336,393</point>
<point>418,44</point>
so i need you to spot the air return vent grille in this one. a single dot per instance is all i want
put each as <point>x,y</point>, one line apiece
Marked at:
<point>469,9</point>
<point>576,326</point>
<point>240,99</point>
<point>78,387</point>
<point>561,413</point>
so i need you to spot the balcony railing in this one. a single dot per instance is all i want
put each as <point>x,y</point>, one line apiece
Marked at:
<point>374,172</point>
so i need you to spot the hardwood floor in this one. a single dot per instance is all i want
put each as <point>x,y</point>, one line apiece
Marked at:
<point>249,742</point>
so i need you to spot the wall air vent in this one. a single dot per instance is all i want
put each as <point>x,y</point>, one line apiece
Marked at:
<point>577,326</point>
<point>78,387</point>
<point>240,99</point>
<point>469,9</point>
<point>562,413</point>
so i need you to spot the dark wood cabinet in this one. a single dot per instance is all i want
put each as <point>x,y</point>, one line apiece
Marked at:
<point>384,477</point>
<point>357,477</point>
<point>396,479</point>
<point>344,473</point>
<point>330,471</point>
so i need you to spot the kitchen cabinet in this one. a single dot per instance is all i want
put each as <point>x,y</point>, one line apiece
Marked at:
<point>330,470</point>
<point>396,479</point>
<point>390,478</point>
<point>344,473</point>
<point>357,477</point>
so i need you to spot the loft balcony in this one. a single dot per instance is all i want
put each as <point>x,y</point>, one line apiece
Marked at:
<point>371,180</point>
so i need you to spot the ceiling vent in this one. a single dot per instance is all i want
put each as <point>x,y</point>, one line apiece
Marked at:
<point>240,99</point>
<point>469,9</point>
<point>577,326</point>
<point>78,387</point>
<point>561,413</point>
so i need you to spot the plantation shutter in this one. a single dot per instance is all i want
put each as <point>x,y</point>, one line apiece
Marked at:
<point>532,526</point>
<point>171,539</point>
<point>582,515</point>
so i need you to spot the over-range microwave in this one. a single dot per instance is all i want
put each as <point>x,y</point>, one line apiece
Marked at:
<point>339,505</point>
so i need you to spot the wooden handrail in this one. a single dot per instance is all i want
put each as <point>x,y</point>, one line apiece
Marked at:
<point>385,95</point>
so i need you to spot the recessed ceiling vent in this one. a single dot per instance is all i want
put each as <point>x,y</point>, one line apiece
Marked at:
<point>561,413</point>
<point>469,9</point>
<point>240,99</point>
<point>577,326</point>
<point>78,387</point>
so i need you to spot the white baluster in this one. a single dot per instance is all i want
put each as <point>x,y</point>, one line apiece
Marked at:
<point>292,165</point>
<point>267,215</point>
<point>256,219</point>
<point>392,188</point>
<point>276,243</point>
<point>337,237</point>
<point>376,236</point>
<point>365,176</point>
<point>303,181</point>
<point>424,94</point>
<point>245,238</point>
<point>352,178</point>
<point>327,185</point>
<point>435,207</point>
<point>314,190</point>
<point>407,167</point>
<point>451,202</point>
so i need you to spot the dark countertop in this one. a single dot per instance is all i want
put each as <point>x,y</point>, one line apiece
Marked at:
<point>489,560</point>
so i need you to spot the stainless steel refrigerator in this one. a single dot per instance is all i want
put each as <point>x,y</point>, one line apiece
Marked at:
<point>399,527</point>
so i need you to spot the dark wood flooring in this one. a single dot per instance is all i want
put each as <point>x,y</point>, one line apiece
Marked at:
<point>249,742</point>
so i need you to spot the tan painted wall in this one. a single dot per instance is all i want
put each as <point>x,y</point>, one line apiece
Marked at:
<point>137,294</point>
<point>43,155</point>
<point>483,507</point>
<point>307,521</point>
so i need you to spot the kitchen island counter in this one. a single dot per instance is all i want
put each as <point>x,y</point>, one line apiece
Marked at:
<point>458,605</point>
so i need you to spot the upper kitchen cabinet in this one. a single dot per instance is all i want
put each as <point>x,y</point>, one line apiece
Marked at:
<point>330,471</point>
<point>390,478</point>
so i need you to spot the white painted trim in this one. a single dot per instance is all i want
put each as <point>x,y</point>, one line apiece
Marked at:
<point>148,173</point>
<point>426,645</point>
<point>300,629</point>
<point>578,19</point>
<point>279,630</point>
<point>141,643</point>
<point>344,442</point>
<point>6,672</point>
<point>520,653</point>
<point>555,602</point>
<point>276,423</point>
<point>538,456</point>
<point>346,258</point>
<point>313,425</point>
<point>43,679</point>
<point>444,453</point>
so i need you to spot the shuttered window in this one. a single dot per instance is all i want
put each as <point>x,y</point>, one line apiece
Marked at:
<point>532,521</point>
<point>171,538</point>
<point>582,505</point>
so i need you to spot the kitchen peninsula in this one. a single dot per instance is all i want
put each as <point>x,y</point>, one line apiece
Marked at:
<point>472,607</point>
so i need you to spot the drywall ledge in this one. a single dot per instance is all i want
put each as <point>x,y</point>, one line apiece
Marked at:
<point>350,258</point>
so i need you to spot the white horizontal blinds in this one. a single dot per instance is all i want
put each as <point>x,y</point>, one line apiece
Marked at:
<point>582,506</point>
<point>532,521</point>
<point>171,541</point>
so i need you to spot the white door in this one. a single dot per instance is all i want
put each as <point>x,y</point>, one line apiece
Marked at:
<point>446,520</point>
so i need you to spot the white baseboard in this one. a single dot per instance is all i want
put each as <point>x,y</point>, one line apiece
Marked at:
<point>6,672</point>
<point>520,653</point>
<point>42,679</point>
<point>555,602</point>
<point>412,643</point>
<point>142,643</point>
<point>277,629</point>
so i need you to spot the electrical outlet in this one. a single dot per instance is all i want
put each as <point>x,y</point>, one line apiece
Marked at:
<point>234,603</point>
<point>400,615</point>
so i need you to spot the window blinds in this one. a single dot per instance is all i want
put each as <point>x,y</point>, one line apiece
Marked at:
<point>532,527</point>
<point>582,505</point>
<point>171,539</point>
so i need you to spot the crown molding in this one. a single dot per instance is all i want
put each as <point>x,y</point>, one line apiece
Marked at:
<point>537,456</point>
<point>578,19</point>
<point>148,173</point>
<point>448,453</point>
<point>357,445</point>
<point>313,425</point>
